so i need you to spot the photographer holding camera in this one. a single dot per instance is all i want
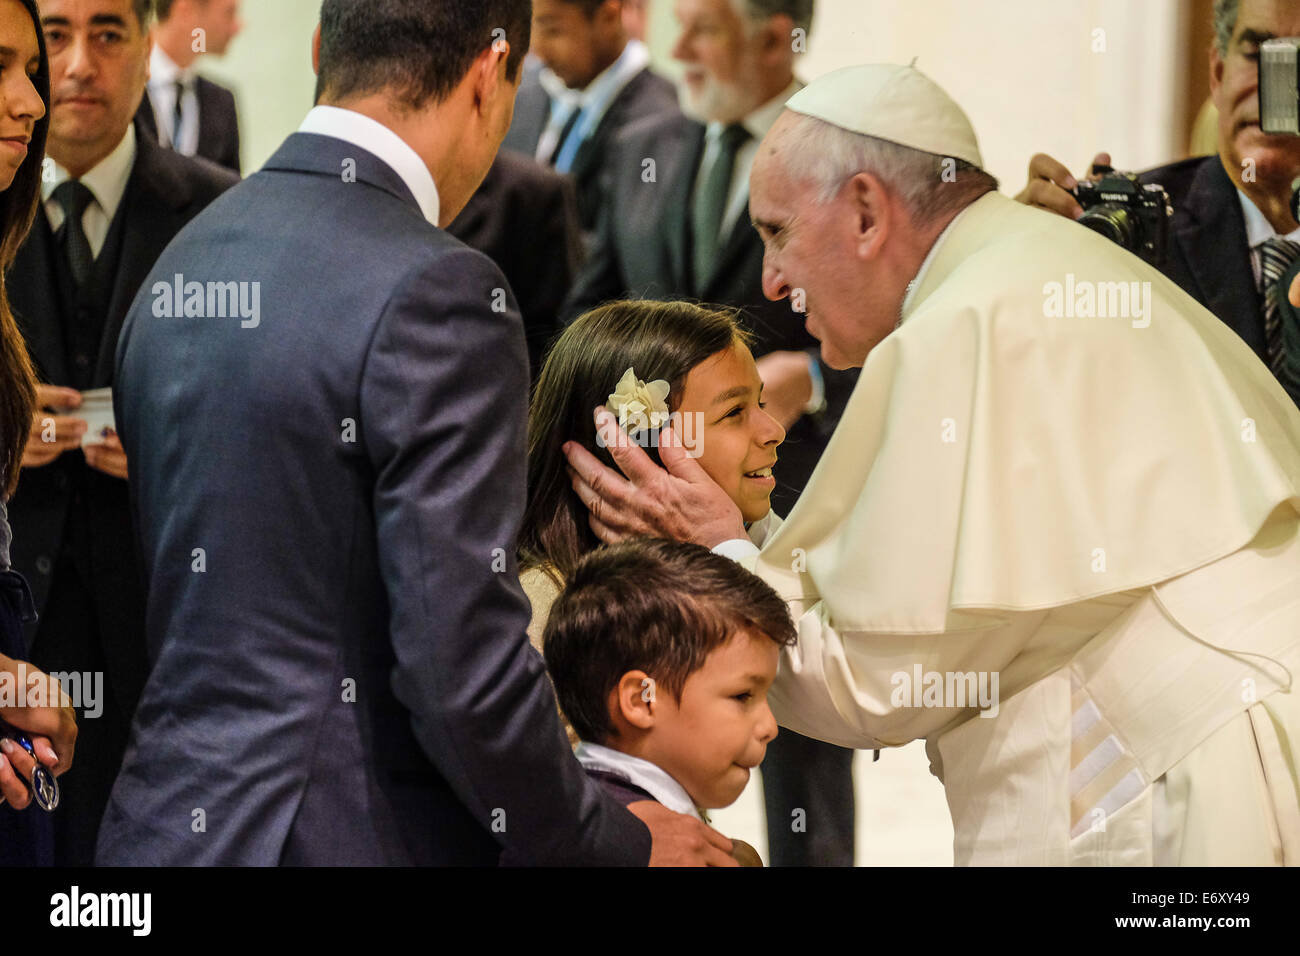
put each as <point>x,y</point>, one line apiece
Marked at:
<point>1232,235</point>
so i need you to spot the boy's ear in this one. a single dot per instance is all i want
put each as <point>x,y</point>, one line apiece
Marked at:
<point>634,700</point>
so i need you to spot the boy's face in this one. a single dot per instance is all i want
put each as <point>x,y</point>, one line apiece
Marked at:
<point>718,732</point>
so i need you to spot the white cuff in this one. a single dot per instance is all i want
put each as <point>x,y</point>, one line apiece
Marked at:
<point>817,401</point>
<point>738,549</point>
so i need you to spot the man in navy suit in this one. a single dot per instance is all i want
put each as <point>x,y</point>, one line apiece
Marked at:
<point>592,81</point>
<point>182,110</point>
<point>1233,234</point>
<point>322,395</point>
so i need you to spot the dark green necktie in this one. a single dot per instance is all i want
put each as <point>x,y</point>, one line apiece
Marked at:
<point>74,198</point>
<point>710,205</point>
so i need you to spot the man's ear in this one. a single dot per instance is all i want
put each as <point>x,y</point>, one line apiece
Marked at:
<point>315,51</point>
<point>490,74</point>
<point>871,214</point>
<point>635,700</point>
<point>1216,72</point>
<point>778,38</point>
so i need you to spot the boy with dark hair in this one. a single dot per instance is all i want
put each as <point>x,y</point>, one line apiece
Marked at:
<point>662,654</point>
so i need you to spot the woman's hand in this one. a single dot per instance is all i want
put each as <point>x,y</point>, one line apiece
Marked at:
<point>43,711</point>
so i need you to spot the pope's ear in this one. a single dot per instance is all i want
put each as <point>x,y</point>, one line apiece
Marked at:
<point>635,699</point>
<point>871,213</point>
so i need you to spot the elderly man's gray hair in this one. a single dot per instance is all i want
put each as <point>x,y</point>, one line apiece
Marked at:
<point>930,186</point>
<point>1225,21</point>
<point>758,11</point>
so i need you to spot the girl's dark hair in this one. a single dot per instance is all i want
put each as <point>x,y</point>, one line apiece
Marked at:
<point>660,340</point>
<point>18,205</point>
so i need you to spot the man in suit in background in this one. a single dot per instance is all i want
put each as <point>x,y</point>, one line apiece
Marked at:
<point>326,425</point>
<point>525,218</point>
<point>182,110</point>
<point>1233,235</point>
<point>113,200</point>
<point>593,82</point>
<point>675,223</point>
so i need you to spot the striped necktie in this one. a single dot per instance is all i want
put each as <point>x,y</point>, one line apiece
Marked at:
<point>1276,256</point>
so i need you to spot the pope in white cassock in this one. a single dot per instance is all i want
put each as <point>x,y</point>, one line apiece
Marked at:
<point>1059,477</point>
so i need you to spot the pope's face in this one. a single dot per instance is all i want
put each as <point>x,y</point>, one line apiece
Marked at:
<point>810,255</point>
<point>1271,161</point>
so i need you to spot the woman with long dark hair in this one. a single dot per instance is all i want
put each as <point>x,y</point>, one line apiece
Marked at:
<point>48,725</point>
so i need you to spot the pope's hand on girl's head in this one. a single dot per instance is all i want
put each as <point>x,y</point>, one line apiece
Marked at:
<point>682,502</point>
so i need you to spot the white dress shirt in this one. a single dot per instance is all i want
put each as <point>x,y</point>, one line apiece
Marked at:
<point>107,183</point>
<point>595,98</point>
<point>1259,231</point>
<point>164,74</point>
<point>650,777</point>
<point>759,123</point>
<point>376,138</point>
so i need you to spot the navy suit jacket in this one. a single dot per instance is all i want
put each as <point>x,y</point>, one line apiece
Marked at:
<point>1208,255</point>
<point>327,500</point>
<point>218,123</point>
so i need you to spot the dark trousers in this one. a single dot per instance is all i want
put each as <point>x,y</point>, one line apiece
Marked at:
<point>68,638</point>
<point>808,794</point>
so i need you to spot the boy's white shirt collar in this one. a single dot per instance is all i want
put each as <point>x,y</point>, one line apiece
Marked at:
<point>376,138</point>
<point>651,778</point>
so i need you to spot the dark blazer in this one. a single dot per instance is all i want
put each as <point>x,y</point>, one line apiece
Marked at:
<point>525,218</point>
<point>1208,255</point>
<point>327,501</point>
<point>218,123</point>
<point>164,193</point>
<point>642,249</point>
<point>646,95</point>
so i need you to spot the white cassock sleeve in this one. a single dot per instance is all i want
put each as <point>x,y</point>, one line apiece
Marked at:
<point>848,688</point>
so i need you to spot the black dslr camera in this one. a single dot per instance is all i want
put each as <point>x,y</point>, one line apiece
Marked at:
<point>1127,212</point>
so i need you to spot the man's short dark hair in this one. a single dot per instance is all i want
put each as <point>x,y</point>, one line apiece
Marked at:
<point>650,605</point>
<point>144,10</point>
<point>418,49</point>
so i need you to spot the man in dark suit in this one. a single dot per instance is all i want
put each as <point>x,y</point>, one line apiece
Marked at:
<point>592,81</point>
<point>525,218</point>
<point>182,110</point>
<point>675,224</point>
<point>323,396</point>
<point>1233,234</point>
<point>113,200</point>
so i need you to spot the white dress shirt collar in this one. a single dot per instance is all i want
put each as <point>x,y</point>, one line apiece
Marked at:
<point>374,137</point>
<point>1258,229</point>
<point>107,182</point>
<point>164,71</point>
<point>651,778</point>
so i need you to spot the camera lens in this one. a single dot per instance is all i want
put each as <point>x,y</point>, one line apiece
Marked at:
<point>1114,222</point>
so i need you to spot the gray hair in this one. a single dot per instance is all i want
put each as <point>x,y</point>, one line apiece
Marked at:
<point>758,11</point>
<point>827,156</point>
<point>1225,21</point>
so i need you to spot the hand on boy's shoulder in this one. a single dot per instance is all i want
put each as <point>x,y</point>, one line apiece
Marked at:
<point>679,840</point>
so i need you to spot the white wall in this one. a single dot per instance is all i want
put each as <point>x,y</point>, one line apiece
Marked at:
<point>1024,70</point>
<point>269,67</point>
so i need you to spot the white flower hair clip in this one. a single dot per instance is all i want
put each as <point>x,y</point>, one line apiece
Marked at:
<point>639,405</point>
